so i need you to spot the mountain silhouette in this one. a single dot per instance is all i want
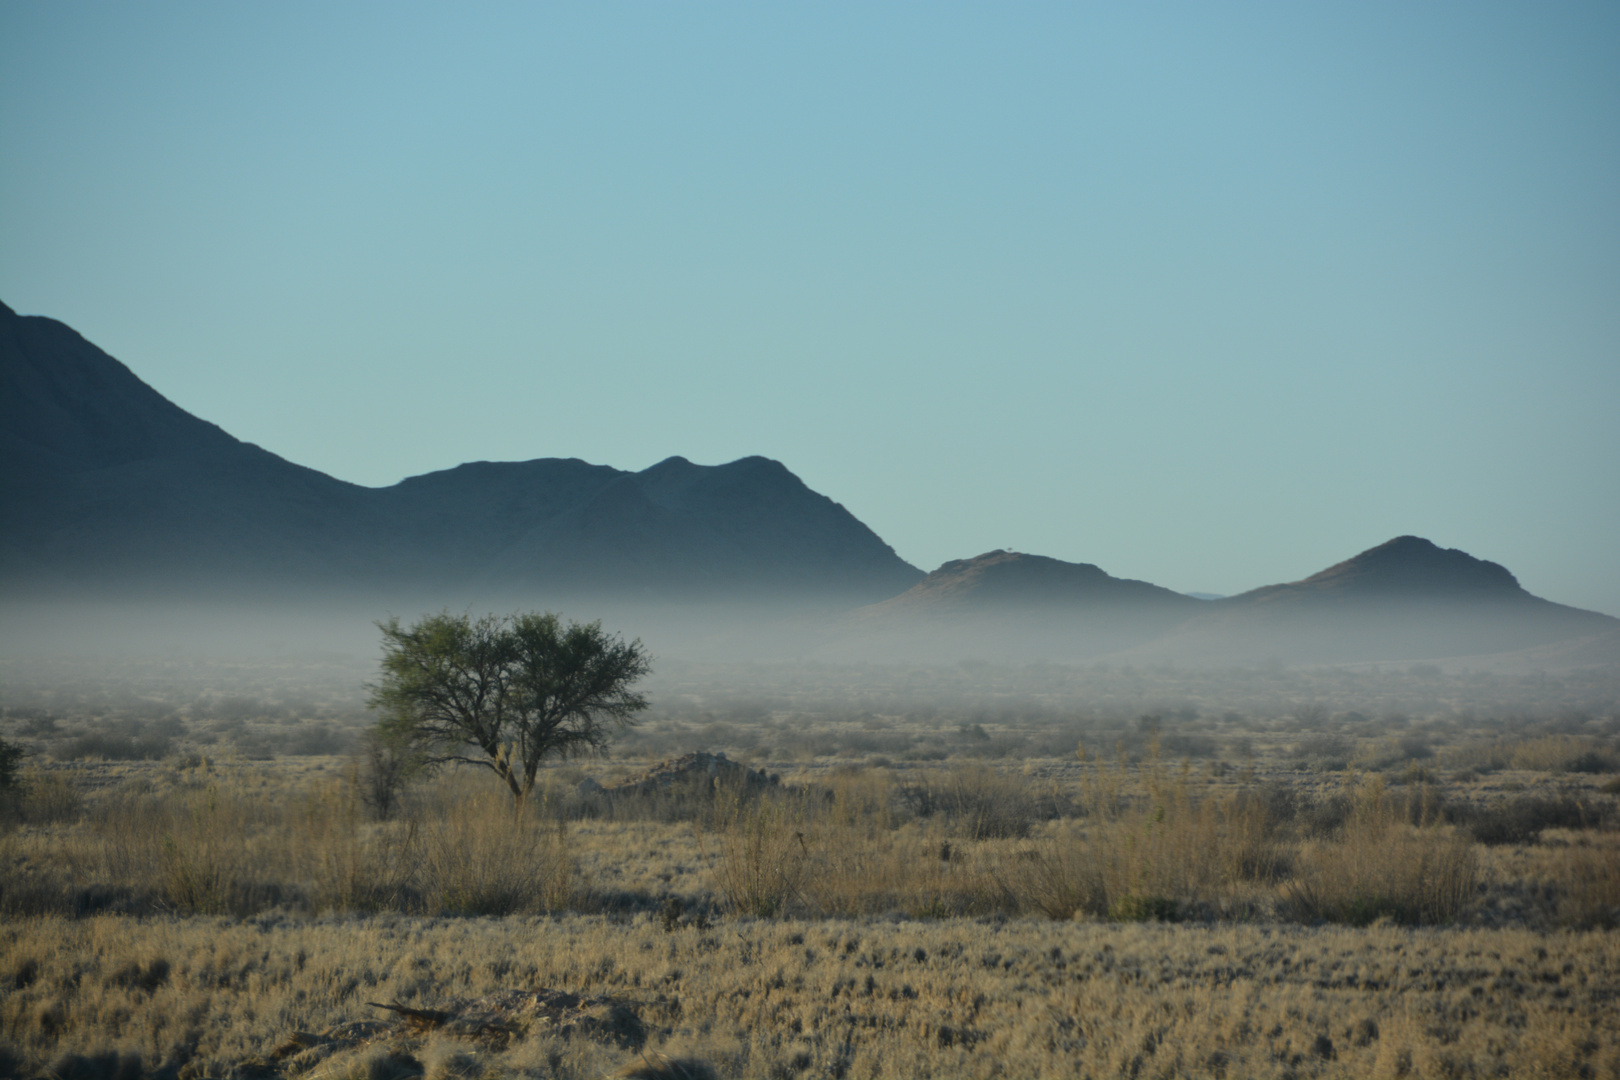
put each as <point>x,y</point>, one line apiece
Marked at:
<point>1003,579</point>
<point>1007,604</point>
<point>1405,567</point>
<point>1406,599</point>
<point>1403,600</point>
<point>109,491</point>
<point>108,486</point>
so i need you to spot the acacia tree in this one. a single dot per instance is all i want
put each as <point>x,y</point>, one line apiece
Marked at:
<point>506,692</point>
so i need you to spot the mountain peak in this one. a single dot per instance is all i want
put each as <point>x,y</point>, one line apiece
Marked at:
<point>1413,566</point>
<point>111,483</point>
<point>1004,578</point>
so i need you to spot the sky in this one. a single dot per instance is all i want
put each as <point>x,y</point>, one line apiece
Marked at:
<point>1211,295</point>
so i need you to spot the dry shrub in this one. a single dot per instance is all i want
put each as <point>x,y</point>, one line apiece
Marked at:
<point>1381,867</point>
<point>1521,820</point>
<point>482,855</point>
<point>862,801</point>
<point>212,850</point>
<point>348,863</point>
<point>649,1066</point>
<point>192,848</point>
<point>1125,869</point>
<point>1541,753</point>
<point>113,746</point>
<point>1588,883</point>
<point>1157,861</point>
<point>764,854</point>
<point>189,847</point>
<point>37,797</point>
<point>840,851</point>
<point>917,869</point>
<point>979,802</point>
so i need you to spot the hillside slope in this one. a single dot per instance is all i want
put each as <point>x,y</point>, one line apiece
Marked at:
<point>111,488</point>
<point>1406,599</point>
<point>1009,605</point>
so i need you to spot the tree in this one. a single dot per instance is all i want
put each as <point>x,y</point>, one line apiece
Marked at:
<point>506,692</point>
<point>384,763</point>
<point>11,782</point>
<point>11,755</point>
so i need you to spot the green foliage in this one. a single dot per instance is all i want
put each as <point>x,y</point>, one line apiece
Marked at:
<point>385,762</point>
<point>505,692</point>
<point>1133,908</point>
<point>11,783</point>
<point>11,755</point>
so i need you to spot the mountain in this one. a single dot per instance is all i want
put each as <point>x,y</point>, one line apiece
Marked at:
<point>108,491</point>
<point>1007,604</point>
<point>1001,580</point>
<point>1406,599</point>
<point>107,486</point>
<point>1407,567</point>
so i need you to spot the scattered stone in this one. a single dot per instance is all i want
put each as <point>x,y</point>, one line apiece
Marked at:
<point>697,770</point>
<point>659,1067</point>
<point>500,1017</point>
<point>492,1022</point>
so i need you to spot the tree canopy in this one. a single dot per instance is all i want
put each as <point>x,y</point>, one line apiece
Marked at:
<point>506,691</point>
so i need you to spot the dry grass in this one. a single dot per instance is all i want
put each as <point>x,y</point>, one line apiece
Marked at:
<point>785,998</point>
<point>975,900</point>
<point>1122,842</point>
<point>1544,753</point>
<point>196,846</point>
<point>1381,867</point>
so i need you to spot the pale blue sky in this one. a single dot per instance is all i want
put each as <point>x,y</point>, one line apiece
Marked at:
<point>1209,294</point>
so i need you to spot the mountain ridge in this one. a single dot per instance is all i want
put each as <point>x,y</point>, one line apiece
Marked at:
<point>119,487</point>
<point>1405,599</point>
<point>118,490</point>
<point>1407,566</point>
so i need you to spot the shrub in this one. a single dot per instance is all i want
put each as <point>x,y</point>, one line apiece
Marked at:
<point>40,798</point>
<point>481,854</point>
<point>313,740</point>
<point>1589,885</point>
<point>11,786</point>
<point>116,747</point>
<point>11,755</point>
<point>1545,753</point>
<point>978,802</point>
<point>1381,867</point>
<point>1143,909</point>
<point>1520,820</point>
<point>764,856</point>
<point>384,764</point>
<point>1158,860</point>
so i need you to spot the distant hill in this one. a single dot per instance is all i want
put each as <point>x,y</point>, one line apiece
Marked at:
<point>1406,599</point>
<point>1000,580</point>
<point>106,486</point>
<point>108,491</point>
<point>1407,567</point>
<point>1006,604</point>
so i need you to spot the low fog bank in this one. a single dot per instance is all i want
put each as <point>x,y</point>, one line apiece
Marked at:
<point>273,628</point>
<point>191,681</point>
<point>722,668</point>
<point>1526,634</point>
<point>132,705</point>
<point>1502,637</point>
